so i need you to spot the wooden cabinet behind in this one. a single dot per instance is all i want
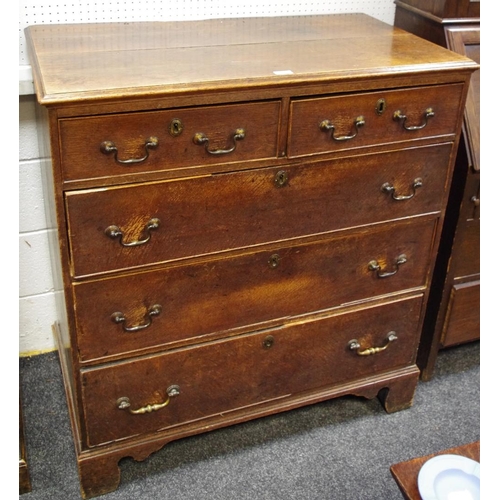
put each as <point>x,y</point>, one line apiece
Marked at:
<point>443,9</point>
<point>453,315</point>
<point>241,238</point>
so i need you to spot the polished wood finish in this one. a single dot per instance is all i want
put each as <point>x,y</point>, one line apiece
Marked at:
<point>406,473</point>
<point>274,266</point>
<point>185,58</point>
<point>378,128</point>
<point>465,39</point>
<point>194,213</point>
<point>333,270</point>
<point>461,315</point>
<point>445,9</point>
<point>258,373</point>
<point>453,315</point>
<point>129,133</point>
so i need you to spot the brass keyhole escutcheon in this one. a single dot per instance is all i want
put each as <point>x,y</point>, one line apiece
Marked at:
<point>281,178</point>
<point>176,127</point>
<point>381,106</point>
<point>268,342</point>
<point>274,261</point>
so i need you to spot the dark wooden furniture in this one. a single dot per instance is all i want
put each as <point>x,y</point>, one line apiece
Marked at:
<point>406,473</point>
<point>454,305</point>
<point>429,17</point>
<point>24,475</point>
<point>247,216</point>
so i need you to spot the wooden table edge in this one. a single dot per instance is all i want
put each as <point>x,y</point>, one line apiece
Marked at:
<point>406,473</point>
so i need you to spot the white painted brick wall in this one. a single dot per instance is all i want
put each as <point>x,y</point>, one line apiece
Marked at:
<point>36,290</point>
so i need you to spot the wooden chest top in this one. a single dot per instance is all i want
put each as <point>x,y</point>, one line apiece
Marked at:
<point>108,61</point>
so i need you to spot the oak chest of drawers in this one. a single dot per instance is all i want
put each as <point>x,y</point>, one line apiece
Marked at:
<point>247,214</point>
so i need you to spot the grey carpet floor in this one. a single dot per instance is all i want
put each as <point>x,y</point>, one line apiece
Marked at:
<point>339,449</point>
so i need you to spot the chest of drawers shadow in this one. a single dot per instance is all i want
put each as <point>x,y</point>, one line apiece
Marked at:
<point>246,215</point>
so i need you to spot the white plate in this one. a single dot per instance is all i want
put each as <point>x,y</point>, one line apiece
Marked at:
<point>449,477</point>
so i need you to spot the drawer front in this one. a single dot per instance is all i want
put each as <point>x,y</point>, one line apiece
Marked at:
<point>228,375</point>
<point>466,256</point>
<point>470,209</point>
<point>462,322</point>
<point>322,125</point>
<point>115,145</point>
<point>199,216</point>
<point>162,307</point>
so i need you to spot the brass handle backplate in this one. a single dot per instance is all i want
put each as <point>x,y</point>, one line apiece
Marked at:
<point>354,345</point>
<point>373,265</point>
<point>123,403</point>
<point>327,126</point>
<point>119,317</point>
<point>109,147</point>
<point>400,116</point>
<point>201,139</point>
<point>389,188</point>
<point>115,232</point>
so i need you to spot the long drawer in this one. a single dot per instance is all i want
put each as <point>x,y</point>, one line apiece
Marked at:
<point>120,144</point>
<point>262,367</point>
<point>131,226</point>
<point>162,307</point>
<point>321,125</point>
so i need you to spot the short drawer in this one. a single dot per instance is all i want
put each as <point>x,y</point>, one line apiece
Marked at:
<point>328,124</point>
<point>166,306</point>
<point>121,144</point>
<point>466,255</point>
<point>262,366</point>
<point>462,323</point>
<point>131,226</point>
